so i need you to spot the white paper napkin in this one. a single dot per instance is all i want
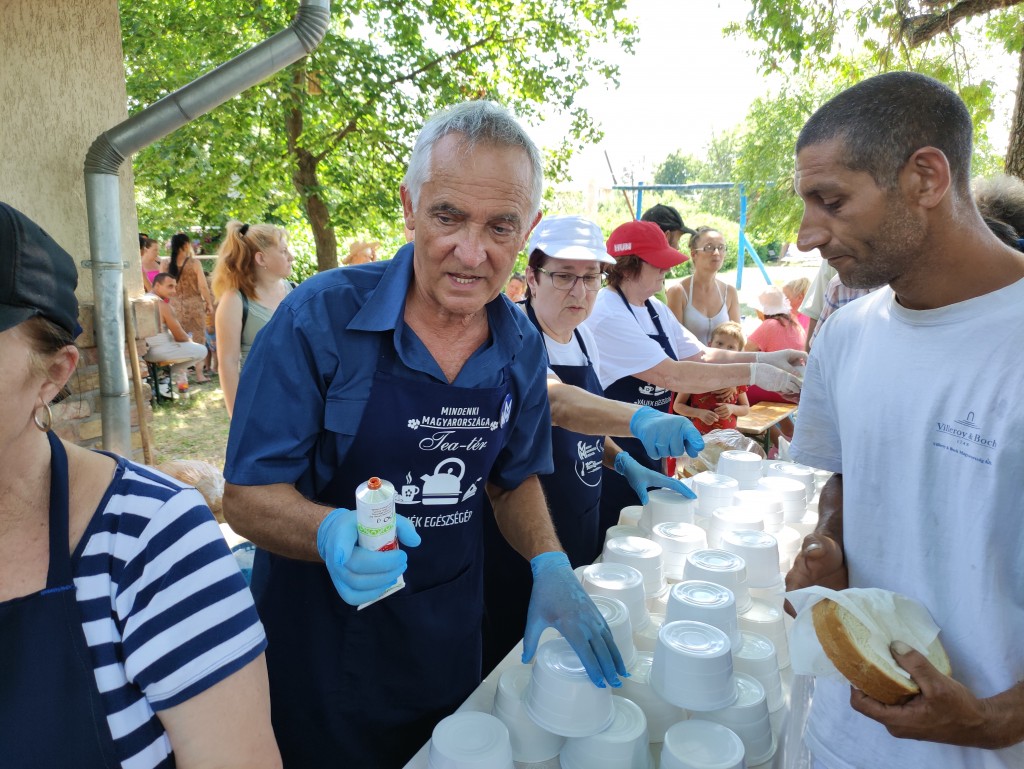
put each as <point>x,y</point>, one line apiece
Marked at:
<point>888,616</point>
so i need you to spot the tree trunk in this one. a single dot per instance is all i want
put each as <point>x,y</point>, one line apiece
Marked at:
<point>1015,152</point>
<point>306,180</point>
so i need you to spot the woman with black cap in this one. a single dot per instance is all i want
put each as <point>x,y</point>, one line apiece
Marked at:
<point>127,634</point>
<point>646,354</point>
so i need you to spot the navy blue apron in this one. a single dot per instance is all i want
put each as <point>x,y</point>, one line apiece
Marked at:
<point>618,494</point>
<point>51,714</point>
<point>365,688</point>
<point>573,494</point>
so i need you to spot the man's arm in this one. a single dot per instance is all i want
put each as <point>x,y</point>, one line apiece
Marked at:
<point>583,412</point>
<point>171,321</point>
<point>523,518</point>
<point>946,711</point>
<point>275,517</point>
<point>821,560</point>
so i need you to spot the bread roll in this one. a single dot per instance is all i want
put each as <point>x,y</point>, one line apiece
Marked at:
<point>845,641</point>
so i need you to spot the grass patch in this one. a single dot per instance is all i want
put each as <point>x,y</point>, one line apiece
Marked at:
<point>196,428</point>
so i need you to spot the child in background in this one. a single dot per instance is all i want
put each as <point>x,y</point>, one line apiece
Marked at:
<point>717,410</point>
<point>795,291</point>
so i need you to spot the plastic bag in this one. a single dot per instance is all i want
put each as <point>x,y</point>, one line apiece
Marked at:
<point>207,479</point>
<point>715,442</point>
<point>793,752</point>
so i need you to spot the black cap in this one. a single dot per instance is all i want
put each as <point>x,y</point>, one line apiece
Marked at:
<point>667,218</point>
<point>37,277</point>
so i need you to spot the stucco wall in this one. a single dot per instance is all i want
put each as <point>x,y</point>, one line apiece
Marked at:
<point>62,84</point>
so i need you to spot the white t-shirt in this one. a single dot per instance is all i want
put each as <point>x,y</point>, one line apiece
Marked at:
<point>920,412</point>
<point>623,335</point>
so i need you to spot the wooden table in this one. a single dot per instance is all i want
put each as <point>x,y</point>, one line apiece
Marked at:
<point>762,418</point>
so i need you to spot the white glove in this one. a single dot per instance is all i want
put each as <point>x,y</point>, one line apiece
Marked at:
<point>793,361</point>
<point>773,379</point>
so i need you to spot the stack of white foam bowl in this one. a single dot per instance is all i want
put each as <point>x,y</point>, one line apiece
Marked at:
<point>767,619</point>
<point>642,554</point>
<point>623,745</point>
<point>530,743</point>
<point>630,515</point>
<point>676,540</point>
<point>801,473</point>
<point>730,518</point>
<point>756,657</point>
<point>722,568</point>
<point>660,713</point>
<point>748,718</point>
<point>622,530</point>
<point>561,698</point>
<point>692,666</point>
<point>760,551</point>
<point>789,540</point>
<point>793,493</point>
<point>744,466</point>
<point>616,615</point>
<point>700,744</point>
<point>700,601</point>
<point>470,740</point>
<point>713,491</point>
<point>767,503</point>
<point>617,580</point>
<point>665,506</point>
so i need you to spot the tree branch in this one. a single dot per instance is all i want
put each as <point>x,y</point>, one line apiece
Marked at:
<point>448,56</point>
<point>917,30</point>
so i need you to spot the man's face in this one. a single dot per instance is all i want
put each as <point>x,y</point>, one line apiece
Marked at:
<point>472,218</point>
<point>166,288</point>
<point>673,237</point>
<point>867,233</point>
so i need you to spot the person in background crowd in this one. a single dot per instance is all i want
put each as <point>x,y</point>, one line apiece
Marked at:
<point>193,299</point>
<point>717,410</point>
<point>645,353</point>
<point>173,343</point>
<point>361,252</point>
<point>814,299</point>
<point>883,170</point>
<point>836,295</point>
<point>702,302</point>
<point>414,370</point>
<point>128,636</point>
<point>149,256</point>
<point>249,281</point>
<point>795,291</point>
<point>778,331</point>
<point>669,221</point>
<point>515,289</point>
<point>567,259</point>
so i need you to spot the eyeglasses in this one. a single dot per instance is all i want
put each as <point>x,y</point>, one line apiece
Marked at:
<point>710,249</point>
<point>566,281</point>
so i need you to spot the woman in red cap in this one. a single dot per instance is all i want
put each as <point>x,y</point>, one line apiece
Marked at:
<point>646,354</point>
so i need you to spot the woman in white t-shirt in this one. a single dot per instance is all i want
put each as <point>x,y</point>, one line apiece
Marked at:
<point>645,353</point>
<point>565,272</point>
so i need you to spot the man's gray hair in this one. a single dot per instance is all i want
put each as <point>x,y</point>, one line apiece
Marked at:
<point>1002,198</point>
<point>478,122</point>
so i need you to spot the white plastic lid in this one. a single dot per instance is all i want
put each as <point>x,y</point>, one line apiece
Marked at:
<point>558,656</point>
<point>694,639</point>
<point>718,561</point>
<point>755,647</point>
<point>704,594</point>
<point>613,610</point>
<point>630,722</point>
<point>712,481</point>
<point>612,576</point>
<point>697,744</point>
<point>633,547</point>
<point>750,692</point>
<point>472,737</point>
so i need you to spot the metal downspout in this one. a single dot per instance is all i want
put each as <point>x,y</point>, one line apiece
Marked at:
<point>102,194</point>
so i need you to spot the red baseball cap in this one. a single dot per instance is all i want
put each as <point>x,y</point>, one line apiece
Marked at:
<point>645,240</point>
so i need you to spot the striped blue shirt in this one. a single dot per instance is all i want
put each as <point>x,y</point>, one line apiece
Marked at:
<point>165,611</point>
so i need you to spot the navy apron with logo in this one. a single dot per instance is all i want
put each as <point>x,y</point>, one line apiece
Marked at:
<point>618,494</point>
<point>51,714</point>
<point>573,494</point>
<point>365,688</point>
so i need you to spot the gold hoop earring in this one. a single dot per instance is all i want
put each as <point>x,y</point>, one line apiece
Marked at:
<point>45,425</point>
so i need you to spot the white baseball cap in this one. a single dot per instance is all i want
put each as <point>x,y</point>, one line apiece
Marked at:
<point>570,237</point>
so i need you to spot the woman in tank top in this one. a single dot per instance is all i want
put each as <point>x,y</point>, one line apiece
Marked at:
<point>250,280</point>
<point>702,302</point>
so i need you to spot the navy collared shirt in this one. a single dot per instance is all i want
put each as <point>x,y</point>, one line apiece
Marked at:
<point>303,392</point>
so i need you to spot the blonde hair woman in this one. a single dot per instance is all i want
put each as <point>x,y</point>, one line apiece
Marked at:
<point>250,280</point>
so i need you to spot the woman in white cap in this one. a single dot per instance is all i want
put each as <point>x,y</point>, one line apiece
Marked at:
<point>701,301</point>
<point>645,353</point>
<point>564,273</point>
<point>127,633</point>
<point>778,331</point>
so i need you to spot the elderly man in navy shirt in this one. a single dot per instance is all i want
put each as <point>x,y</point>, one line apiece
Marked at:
<point>419,371</point>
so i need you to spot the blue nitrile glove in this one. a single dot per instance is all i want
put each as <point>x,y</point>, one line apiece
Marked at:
<point>558,600</point>
<point>361,575</point>
<point>640,477</point>
<point>665,435</point>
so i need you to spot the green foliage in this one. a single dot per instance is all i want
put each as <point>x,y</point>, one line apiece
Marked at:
<point>339,125</point>
<point>678,169</point>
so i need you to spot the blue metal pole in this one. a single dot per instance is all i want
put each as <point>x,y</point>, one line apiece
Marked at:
<point>639,199</point>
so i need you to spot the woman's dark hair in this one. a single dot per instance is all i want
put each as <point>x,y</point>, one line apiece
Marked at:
<point>45,338</point>
<point>1004,232</point>
<point>178,242</point>
<point>625,268</point>
<point>145,241</point>
<point>785,320</point>
<point>695,237</point>
<point>536,260</point>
